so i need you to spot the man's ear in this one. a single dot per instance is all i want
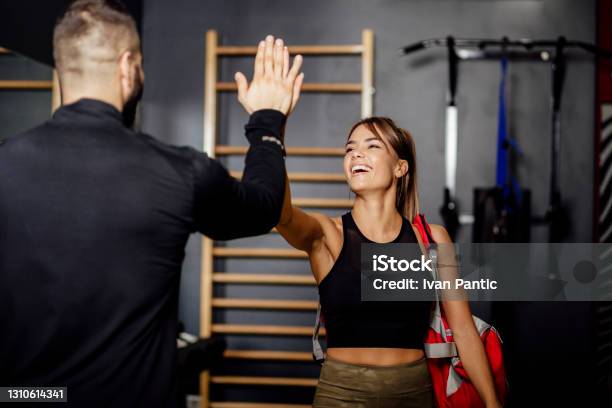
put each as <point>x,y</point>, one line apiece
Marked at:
<point>126,79</point>
<point>401,169</point>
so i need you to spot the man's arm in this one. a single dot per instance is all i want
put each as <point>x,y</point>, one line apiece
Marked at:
<point>227,208</point>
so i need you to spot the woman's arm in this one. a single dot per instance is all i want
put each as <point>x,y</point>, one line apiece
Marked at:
<point>301,230</point>
<point>469,344</point>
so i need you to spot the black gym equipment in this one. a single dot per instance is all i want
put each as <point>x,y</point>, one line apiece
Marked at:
<point>538,50</point>
<point>194,356</point>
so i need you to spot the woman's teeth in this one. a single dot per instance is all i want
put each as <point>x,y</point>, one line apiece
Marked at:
<point>359,169</point>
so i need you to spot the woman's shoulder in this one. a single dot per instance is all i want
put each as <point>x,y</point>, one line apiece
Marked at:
<point>331,227</point>
<point>439,233</point>
<point>326,220</point>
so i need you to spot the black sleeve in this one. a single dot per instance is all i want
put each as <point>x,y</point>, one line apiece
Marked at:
<point>226,208</point>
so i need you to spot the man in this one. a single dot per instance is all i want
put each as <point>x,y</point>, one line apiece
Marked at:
<point>94,217</point>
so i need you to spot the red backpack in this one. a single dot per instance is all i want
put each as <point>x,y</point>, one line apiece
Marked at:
<point>452,387</point>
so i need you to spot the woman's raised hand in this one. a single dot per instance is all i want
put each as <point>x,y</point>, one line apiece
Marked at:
<point>275,85</point>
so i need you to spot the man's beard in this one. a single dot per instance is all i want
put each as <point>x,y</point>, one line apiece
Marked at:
<point>131,105</point>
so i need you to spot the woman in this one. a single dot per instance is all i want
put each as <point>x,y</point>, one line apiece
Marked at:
<point>375,351</point>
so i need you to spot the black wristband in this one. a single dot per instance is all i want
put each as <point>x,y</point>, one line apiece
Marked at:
<point>266,122</point>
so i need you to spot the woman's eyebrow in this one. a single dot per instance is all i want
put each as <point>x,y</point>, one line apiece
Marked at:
<point>369,139</point>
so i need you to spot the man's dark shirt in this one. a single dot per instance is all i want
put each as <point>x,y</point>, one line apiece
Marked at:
<point>93,223</point>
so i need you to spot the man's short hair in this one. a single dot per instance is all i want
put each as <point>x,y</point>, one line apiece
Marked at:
<point>93,32</point>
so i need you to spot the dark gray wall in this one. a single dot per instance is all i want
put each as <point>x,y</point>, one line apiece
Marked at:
<point>22,109</point>
<point>411,90</point>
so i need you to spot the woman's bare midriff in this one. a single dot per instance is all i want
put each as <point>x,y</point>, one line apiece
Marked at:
<point>375,356</point>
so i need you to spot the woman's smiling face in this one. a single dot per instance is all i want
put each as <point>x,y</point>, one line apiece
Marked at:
<point>369,163</point>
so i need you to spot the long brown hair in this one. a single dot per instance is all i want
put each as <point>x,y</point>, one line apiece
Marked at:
<point>407,198</point>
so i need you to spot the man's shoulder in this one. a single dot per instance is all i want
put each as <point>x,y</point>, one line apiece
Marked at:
<point>23,138</point>
<point>167,149</point>
<point>180,157</point>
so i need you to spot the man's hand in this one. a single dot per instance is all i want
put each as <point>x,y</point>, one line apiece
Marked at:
<point>274,84</point>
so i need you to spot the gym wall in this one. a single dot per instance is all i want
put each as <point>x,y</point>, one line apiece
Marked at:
<point>410,90</point>
<point>21,109</point>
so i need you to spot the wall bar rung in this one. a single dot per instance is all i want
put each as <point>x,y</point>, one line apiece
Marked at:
<point>269,279</point>
<point>268,355</point>
<point>240,252</point>
<point>306,87</point>
<point>248,380</point>
<point>232,303</point>
<point>291,151</point>
<point>296,49</point>
<point>18,84</point>
<point>307,176</point>
<point>272,330</point>
<point>322,202</point>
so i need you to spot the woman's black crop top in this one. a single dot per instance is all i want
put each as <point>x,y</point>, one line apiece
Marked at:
<point>352,323</point>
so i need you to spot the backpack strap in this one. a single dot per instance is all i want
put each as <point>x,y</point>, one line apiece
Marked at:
<point>429,243</point>
<point>317,350</point>
<point>434,351</point>
<point>424,230</point>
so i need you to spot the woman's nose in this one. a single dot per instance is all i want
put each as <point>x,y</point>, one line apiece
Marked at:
<point>356,153</point>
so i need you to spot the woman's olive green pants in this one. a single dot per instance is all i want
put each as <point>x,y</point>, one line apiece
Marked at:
<point>364,386</point>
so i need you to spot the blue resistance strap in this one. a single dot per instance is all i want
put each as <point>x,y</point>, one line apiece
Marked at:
<point>507,182</point>
<point>502,144</point>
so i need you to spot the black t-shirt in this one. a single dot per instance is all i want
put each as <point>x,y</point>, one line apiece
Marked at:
<point>93,223</point>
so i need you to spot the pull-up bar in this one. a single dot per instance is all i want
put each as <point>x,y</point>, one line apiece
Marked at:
<point>488,44</point>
